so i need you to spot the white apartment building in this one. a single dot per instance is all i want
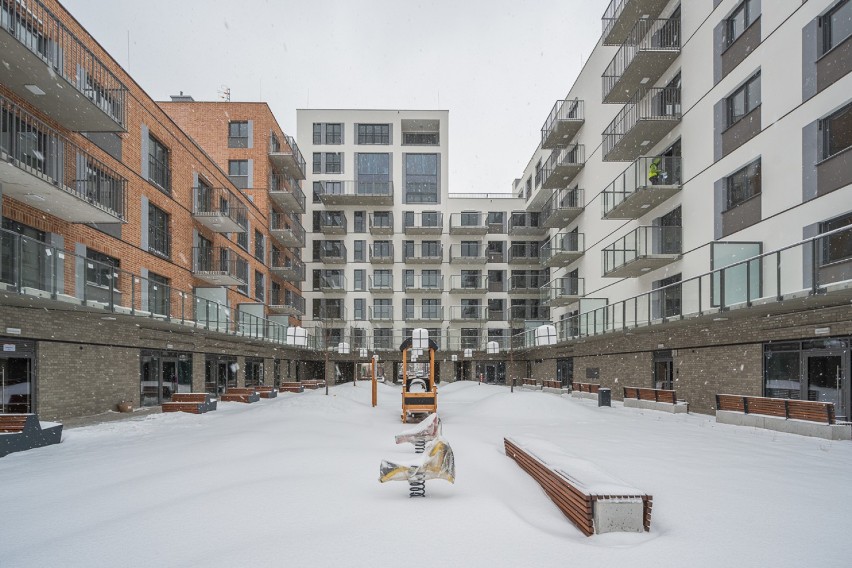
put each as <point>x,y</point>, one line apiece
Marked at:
<point>689,199</point>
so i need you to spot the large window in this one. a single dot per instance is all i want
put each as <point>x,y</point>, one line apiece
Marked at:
<point>328,133</point>
<point>836,25</point>
<point>328,162</point>
<point>741,18</point>
<point>259,286</point>
<point>836,132</point>
<point>742,185</point>
<point>383,279</point>
<point>159,167</point>
<point>258,246</point>
<point>238,171</point>
<point>101,269</point>
<point>238,134</point>
<point>159,238</point>
<point>421,178</point>
<point>373,173</point>
<point>374,134</point>
<point>838,246</point>
<point>242,268</point>
<point>744,100</point>
<point>158,294</point>
<point>420,139</point>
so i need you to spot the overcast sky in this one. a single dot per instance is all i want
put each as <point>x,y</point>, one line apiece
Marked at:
<point>498,66</point>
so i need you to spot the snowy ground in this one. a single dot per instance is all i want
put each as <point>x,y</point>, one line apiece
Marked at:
<point>293,481</point>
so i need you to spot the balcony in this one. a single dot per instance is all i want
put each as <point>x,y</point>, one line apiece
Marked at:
<point>433,254</point>
<point>468,284</point>
<point>562,291</point>
<point>642,250</point>
<point>563,166</point>
<point>522,223</point>
<point>562,249</point>
<point>527,284</point>
<point>287,159</point>
<point>286,230</point>
<point>642,124</point>
<point>329,312</point>
<point>286,193</point>
<point>331,282</point>
<point>523,313</point>
<point>468,223</point>
<point>381,223</point>
<point>48,172</point>
<point>433,284</point>
<point>216,266</point>
<point>648,182</point>
<point>291,269</point>
<point>287,303</point>
<point>356,192</point>
<point>382,285</point>
<point>621,15</point>
<point>45,64</point>
<point>527,253</point>
<point>381,254</point>
<point>423,223</point>
<point>423,313</point>
<point>332,223</point>
<point>469,313</point>
<point>562,208</point>
<point>466,254</point>
<point>562,124</point>
<point>219,210</point>
<point>650,49</point>
<point>381,313</point>
<point>332,252</point>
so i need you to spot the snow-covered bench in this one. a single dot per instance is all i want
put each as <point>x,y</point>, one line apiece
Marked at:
<point>20,432</point>
<point>291,386</point>
<point>585,390</point>
<point>266,392</point>
<point>654,399</point>
<point>593,500</point>
<point>805,417</point>
<point>527,383</point>
<point>313,385</point>
<point>192,402</point>
<point>240,394</point>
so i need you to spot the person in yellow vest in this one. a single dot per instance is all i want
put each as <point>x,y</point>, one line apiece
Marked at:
<point>654,171</point>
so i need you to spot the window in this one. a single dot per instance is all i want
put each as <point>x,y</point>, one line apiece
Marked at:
<point>328,133</point>
<point>317,164</point>
<point>431,278</point>
<point>258,246</point>
<point>470,218</point>
<point>238,171</point>
<point>495,218</point>
<point>101,269</point>
<point>358,279</point>
<point>836,132</point>
<point>430,219</point>
<point>383,279</point>
<point>159,168</point>
<point>259,286</point>
<point>740,19</point>
<point>159,238</point>
<point>838,246</point>
<point>742,185</point>
<point>374,134</point>
<point>102,188</point>
<point>744,100</point>
<point>495,251</point>
<point>275,296</point>
<point>242,269</point>
<point>431,309</point>
<point>836,25</point>
<point>328,163</point>
<point>238,134</point>
<point>243,240</point>
<point>359,251</point>
<point>382,309</point>
<point>158,294</point>
<point>470,248</point>
<point>359,225</point>
<point>421,178</point>
<point>430,249</point>
<point>420,139</point>
<point>383,219</point>
<point>317,190</point>
<point>359,309</point>
<point>373,174</point>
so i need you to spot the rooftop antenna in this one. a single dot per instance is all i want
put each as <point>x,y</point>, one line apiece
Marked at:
<point>224,93</point>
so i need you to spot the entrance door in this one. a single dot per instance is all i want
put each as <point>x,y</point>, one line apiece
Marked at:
<point>827,380</point>
<point>169,378</point>
<point>491,373</point>
<point>663,370</point>
<point>16,385</point>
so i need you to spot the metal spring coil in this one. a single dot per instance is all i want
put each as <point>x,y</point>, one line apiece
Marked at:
<point>420,447</point>
<point>417,487</point>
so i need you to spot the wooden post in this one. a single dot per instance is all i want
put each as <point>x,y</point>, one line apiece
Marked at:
<point>373,365</point>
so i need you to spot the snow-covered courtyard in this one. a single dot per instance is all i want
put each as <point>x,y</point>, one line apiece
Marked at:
<point>293,481</point>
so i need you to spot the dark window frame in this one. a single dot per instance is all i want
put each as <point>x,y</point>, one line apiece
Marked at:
<point>373,134</point>
<point>825,127</point>
<point>159,165</point>
<point>749,103</point>
<point>828,41</point>
<point>159,233</point>
<point>238,134</point>
<point>743,185</point>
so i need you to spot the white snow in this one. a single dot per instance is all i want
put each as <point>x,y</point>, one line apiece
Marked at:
<point>293,481</point>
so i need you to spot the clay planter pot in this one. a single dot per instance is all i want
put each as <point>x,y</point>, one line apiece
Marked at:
<point>125,407</point>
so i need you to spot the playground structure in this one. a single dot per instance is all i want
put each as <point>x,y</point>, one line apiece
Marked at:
<point>426,431</point>
<point>426,400</point>
<point>438,463</point>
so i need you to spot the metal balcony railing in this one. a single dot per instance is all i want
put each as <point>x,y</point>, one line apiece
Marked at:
<point>562,124</point>
<point>329,311</point>
<point>621,15</point>
<point>38,30</point>
<point>562,208</point>
<point>468,223</point>
<point>287,301</point>
<point>381,253</point>
<point>563,166</point>
<point>381,223</point>
<point>332,252</point>
<point>219,209</point>
<point>333,223</point>
<point>380,284</point>
<point>468,254</point>
<point>646,247</point>
<point>355,189</point>
<point>562,291</point>
<point>469,283</point>
<point>642,123</point>
<point>527,283</point>
<point>527,253</point>
<point>287,230</point>
<point>562,249</point>
<point>381,313</point>
<point>423,313</point>
<point>525,223</point>
<point>216,261</point>
<point>426,284</point>
<point>646,183</point>
<point>332,281</point>
<point>53,174</point>
<point>422,222</point>
<point>286,192</point>
<point>289,158</point>
<point>423,254</point>
<point>289,268</point>
<point>468,313</point>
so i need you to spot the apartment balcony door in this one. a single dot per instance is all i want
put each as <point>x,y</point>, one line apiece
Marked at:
<point>826,376</point>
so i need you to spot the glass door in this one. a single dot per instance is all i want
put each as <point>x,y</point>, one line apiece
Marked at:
<point>169,378</point>
<point>663,370</point>
<point>150,381</point>
<point>16,385</point>
<point>827,380</point>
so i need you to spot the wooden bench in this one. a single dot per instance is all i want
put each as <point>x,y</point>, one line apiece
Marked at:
<point>587,387</point>
<point>20,432</point>
<point>551,384</point>
<point>291,387</point>
<point>192,402</point>
<point>266,392</point>
<point>786,408</point>
<point>803,417</point>
<point>527,382</point>
<point>313,385</point>
<point>654,399</point>
<point>240,394</point>
<point>590,511</point>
